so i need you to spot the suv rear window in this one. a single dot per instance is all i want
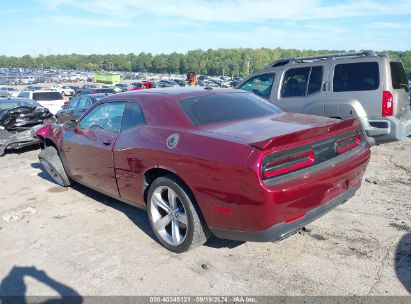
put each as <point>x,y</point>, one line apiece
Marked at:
<point>46,96</point>
<point>223,107</point>
<point>398,76</point>
<point>362,76</point>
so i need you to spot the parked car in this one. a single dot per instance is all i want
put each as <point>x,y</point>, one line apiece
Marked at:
<point>64,90</point>
<point>9,92</point>
<point>17,117</point>
<point>33,88</point>
<point>209,161</point>
<point>90,86</point>
<point>77,106</point>
<point>141,85</point>
<point>365,84</point>
<point>122,86</point>
<point>109,86</point>
<point>181,82</point>
<point>51,100</point>
<point>67,91</point>
<point>168,84</point>
<point>94,91</point>
<point>26,80</point>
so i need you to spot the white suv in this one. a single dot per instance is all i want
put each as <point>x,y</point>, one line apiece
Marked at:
<point>51,100</point>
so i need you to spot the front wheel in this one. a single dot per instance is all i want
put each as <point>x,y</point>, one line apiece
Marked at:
<point>173,215</point>
<point>51,162</point>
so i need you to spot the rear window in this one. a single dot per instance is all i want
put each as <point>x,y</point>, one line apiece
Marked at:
<point>398,76</point>
<point>362,76</point>
<point>45,96</point>
<point>223,107</point>
<point>132,117</point>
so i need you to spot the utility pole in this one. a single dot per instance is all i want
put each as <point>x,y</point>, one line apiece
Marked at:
<point>247,62</point>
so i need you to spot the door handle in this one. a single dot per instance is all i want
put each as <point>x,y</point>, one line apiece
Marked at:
<point>107,142</point>
<point>326,86</point>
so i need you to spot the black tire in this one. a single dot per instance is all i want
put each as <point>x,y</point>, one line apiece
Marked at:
<point>196,230</point>
<point>52,164</point>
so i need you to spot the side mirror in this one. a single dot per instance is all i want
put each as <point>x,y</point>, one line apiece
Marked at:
<point>70,125</point>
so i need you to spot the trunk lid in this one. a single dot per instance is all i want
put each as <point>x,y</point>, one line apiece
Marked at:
<point>269,132</point>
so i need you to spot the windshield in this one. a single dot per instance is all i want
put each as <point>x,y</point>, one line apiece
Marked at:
<point>46,96</point>
<point>223,107</point>
<point>10,104</point>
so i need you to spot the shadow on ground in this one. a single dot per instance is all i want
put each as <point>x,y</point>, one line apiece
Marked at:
<point>403,261</point>
<point>137,216</point>
<point>23,150</point>
<point>43,174</point>
<point>13,288</point>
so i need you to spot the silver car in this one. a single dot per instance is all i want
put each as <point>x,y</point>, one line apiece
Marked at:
<point>366,84</point>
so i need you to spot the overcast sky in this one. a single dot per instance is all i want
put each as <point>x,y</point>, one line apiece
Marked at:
<point>159,26</point>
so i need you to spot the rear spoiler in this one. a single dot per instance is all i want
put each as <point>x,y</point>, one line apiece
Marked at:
<point>273,142</point>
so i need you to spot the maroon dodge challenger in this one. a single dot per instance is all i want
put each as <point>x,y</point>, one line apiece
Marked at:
<point>209,161</point>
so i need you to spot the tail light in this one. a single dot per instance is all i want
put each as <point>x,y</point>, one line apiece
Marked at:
<point>284,164</point>
<point>387,104</point>
<point>348,143</point>
<point>94,92</point>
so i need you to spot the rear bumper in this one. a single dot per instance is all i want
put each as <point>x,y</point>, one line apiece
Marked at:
<point>387,129</point>
<point>283,230</point>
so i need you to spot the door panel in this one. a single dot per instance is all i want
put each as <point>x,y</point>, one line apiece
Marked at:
<point>356,88</point>
<point>89,157</point>
<point>88,149</point>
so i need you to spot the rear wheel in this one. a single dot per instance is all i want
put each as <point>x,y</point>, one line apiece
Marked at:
<point>51,162</point>
<point>173,215</point>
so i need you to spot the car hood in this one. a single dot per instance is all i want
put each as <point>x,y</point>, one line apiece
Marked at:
<point>264,132</point>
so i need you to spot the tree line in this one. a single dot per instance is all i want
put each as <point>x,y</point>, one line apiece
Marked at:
<point>230,62</point>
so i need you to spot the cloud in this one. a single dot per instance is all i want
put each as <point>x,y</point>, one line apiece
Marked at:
<point>95,22</point>
<point>239,11</point>
<point>390,26</point>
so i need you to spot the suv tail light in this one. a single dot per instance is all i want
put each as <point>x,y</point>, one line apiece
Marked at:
<point>287,163</point>
<point>348,143</point>
<point>387,104</point>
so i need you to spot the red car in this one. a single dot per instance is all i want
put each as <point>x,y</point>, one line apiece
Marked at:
<point>135,86</point>
<point>209,161</point>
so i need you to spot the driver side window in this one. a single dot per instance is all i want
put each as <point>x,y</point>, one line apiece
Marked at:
<point>260,85</point>
<point>106,116</point>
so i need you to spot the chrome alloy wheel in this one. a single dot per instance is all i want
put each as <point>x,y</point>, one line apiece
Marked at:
<point>168,215</point>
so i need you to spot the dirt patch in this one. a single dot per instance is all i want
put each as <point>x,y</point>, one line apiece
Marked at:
<point>57,189</point>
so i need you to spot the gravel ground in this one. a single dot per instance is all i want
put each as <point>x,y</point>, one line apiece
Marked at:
<point>75,241</point>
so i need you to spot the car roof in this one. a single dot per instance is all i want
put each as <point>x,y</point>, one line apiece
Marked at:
<point>160,106</point>
<point>178,92</point>
<point>40,91</point>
